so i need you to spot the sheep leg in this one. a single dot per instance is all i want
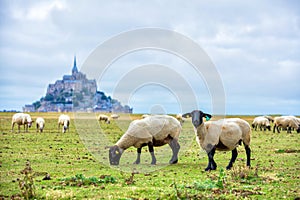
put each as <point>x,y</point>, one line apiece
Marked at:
<point>211,163</point>
<point>151,150</point>
<point>175,149</point>
<point>138,159</point>
<point>12,126</point>
<point>248,153</point>
<point>233,158</point>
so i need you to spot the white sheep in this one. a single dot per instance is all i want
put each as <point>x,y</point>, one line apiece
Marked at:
<point>262,122</point>
<point>224,135</point>
<point>114,116</point>
<point>287,122</point>
<point>104,118</point>
<point>21,119</point>
<point>64,120</point>
<point>155,130</point>
<point>40,124</point>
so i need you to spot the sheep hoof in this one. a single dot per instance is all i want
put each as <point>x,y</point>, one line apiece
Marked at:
<point>207,169</point>
<point>173,162</point>
<point>228,167</point>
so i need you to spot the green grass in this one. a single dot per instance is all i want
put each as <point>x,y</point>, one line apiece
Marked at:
<point>77,174</point>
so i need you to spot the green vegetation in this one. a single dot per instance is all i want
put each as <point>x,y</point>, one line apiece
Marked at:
<point>59,166</point>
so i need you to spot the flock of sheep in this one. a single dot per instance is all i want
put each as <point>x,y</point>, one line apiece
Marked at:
<point>25,120</point>
<point>158,130</point>
<point>288,123</point>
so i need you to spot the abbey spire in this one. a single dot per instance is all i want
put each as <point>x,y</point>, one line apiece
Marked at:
<point>74,69</point>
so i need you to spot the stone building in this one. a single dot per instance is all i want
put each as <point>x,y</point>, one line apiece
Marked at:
<point>76,93</point>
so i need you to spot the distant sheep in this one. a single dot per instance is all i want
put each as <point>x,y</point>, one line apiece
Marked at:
<point>40,124</point>
<point>64,120</point>
<point>223,135</point>
<point>21,119</point>
<point>114,116</point>
<point>156,130</point>
<point>287,122</point>
<point>104,118</point>
<point>261,122</point>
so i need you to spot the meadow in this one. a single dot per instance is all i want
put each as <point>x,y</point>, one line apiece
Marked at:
<point>76,172</point>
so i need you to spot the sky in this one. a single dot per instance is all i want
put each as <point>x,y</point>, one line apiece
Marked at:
<point>253,45</point>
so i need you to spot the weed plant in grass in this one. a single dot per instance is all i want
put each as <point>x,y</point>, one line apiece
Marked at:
<point>76,173</point>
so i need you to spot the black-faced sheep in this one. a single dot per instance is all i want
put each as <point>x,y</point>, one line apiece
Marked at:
<point>21,119</point>
<point>261,122</point>
<point>156,130</point>
<point>40,124</point>
<point>64,120</point>
<point>224,135</point>
<point>287,122</point>
<point>104,118</point>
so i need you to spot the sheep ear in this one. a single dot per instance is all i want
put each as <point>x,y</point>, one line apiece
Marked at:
<point>186,115</point>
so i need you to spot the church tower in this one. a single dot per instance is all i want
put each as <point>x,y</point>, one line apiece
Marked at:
<point>74,69</point>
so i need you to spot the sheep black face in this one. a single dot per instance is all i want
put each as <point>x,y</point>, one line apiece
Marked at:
<point>114,155</point>
<point>298,129</point>
<point>66,124</point>
<point>197,117</point>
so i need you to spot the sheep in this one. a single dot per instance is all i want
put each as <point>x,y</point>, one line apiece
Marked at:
<point>104,118</point>
<point>21,119</point>
<point>114,116</point>
<point>261,122</point>
<point>40,124</point>
<point>288,122</point>
<point>154,130</point>
<point>223,135</point>
<point>64,120</point>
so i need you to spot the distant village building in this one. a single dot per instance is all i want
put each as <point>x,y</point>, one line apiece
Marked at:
<point>76,93</point>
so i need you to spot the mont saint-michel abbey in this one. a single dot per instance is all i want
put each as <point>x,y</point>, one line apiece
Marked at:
<point>76,93</point>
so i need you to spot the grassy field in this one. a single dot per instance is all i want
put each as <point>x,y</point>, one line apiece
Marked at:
<point>76,172</point>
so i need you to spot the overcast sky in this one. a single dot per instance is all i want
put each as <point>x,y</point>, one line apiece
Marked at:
<point>254,45</point>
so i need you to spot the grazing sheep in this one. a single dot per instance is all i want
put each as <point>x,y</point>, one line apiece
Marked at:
<point>64,120</point>
<point>40,124</point>
<point>156,130</point>
<point>104,118</point>
<point>224,135</point>
<point>21,119</point>
<point>287,122</point>
<point>262,123</point>
<point>114,116</point>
